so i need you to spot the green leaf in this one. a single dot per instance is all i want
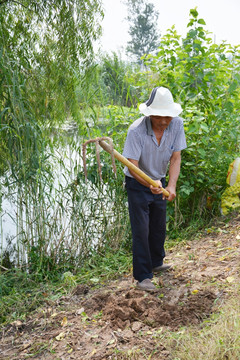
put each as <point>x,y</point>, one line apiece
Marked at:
<point>201,21</point>
<point>191,22</point>
<point>233,86</point>
<point>204,127</point>
<point>229,106</point>
<point>193,128</point>
<point>237,77</point>
<point>201,152</point>
<point>194,12</point>
<point>192,33</point>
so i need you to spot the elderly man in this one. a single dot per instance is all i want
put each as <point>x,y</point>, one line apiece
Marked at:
<point>153,142</point>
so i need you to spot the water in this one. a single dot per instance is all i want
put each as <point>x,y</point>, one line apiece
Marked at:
<point>66,158</point>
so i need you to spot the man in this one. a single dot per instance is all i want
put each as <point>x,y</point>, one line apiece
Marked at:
<point>153,142</point>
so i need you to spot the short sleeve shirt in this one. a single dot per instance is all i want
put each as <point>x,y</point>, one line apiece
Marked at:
<point>153,158</point>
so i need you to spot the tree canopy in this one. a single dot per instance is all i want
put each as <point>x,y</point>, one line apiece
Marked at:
<point>50,41</point>
<point>45,46</point>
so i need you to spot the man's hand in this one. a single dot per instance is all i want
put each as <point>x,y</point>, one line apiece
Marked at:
<point>172,193</point>
<point>156,190</point>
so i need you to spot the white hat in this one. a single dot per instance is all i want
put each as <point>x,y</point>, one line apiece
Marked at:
<point>160,103</point>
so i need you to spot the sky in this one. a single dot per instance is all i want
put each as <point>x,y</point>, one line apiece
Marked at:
<point>221,17</point>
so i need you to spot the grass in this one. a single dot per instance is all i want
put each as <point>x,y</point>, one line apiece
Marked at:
<point>218,339</point>
<point>21,293</point>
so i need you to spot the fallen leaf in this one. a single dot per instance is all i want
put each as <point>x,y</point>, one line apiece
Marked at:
<point>160,282</point>
<point>93,352</point>
<point>80,311</point>
<point>17,323</point>
<point>222,258</point>
<point>60,336</point>
<point>195,291</point>
<point>111,342</point>
<point>64,321</point>
<point>26,345</point>
<point>54,315</point>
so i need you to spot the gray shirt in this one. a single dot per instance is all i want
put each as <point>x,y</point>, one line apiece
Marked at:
<point>141,145</point>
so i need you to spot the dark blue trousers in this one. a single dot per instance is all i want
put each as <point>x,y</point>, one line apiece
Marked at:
<point>147,213</point>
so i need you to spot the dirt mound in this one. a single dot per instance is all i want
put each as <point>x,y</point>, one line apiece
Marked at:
<point>123,308</point>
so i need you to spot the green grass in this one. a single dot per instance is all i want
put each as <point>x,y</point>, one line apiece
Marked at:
<point>21,293</point>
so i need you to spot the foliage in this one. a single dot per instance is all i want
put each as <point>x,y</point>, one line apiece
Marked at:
<point>114,76</point>
<point>204,78</point>
<point>21,293</point>
<point>21,140</point>
<point>108,81</point>
<point>51,42</point>
<point>143,19</point>
<point>61,220</point>
<point>44,48</point>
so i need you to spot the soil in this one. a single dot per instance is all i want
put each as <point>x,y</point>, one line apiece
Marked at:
<point>118,321</point>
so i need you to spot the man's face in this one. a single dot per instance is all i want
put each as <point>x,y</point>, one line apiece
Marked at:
<point>160,122</point>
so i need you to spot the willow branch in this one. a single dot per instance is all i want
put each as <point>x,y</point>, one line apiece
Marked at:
<point>14,1</point>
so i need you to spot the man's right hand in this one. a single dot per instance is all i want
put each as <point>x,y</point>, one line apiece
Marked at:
<point>157,190</point>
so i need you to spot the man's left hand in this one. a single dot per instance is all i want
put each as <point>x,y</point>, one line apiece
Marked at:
<point>172,193</point>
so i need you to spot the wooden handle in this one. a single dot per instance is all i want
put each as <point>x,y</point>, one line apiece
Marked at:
<point>130,165</point>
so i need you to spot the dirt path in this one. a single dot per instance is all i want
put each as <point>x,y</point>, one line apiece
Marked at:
<point>120,322</point>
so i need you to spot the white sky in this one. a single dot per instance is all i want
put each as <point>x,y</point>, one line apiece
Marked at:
<point>222,18</point>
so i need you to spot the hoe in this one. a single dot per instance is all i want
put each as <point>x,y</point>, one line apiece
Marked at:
<point>115,154</point>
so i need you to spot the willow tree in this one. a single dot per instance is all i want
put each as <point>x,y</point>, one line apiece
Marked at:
<point>52,41</point>
<point>44,47</point>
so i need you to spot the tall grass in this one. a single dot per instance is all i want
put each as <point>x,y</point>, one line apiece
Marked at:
<point>60,219</point>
